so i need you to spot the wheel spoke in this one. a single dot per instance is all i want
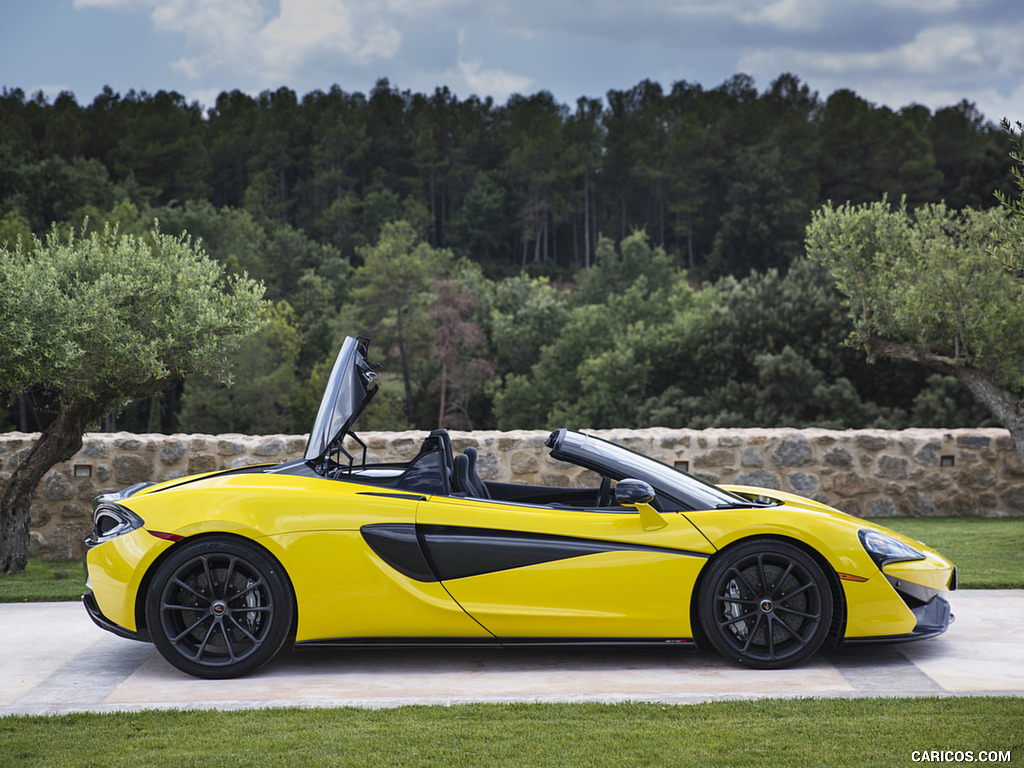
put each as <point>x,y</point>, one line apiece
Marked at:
<point>193,590</point>
<point>188,630</point>
<point>249,635</point>
<point>739,575</point>
<point>208,572</point>
<point>743,617</point>
<point>228,576</point>
<point>762,573</point>
<point>752,632</point>
<point>249,588</point>
<point>793,611</point>
<point>202,646</point>
<point>782,579</point>
<point>797,591</point>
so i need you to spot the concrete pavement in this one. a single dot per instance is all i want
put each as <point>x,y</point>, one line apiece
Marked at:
<point>55,661</point>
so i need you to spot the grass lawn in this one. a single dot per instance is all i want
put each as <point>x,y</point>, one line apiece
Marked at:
<point>988,551</point>
<point>44,581</point>
<point>805,732</point>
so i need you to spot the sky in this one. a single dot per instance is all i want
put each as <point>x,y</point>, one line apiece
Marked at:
<point>890,52</point>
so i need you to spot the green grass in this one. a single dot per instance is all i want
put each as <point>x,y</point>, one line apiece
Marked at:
<point>988,551</point>
<point>819,732</point>
<point>44,581</point>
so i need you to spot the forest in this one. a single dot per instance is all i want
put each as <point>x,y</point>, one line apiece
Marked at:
<point>636,260</point>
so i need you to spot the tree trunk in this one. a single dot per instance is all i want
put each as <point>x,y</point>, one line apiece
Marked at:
<point>58,442</point>
<point>410,408</point>
<point>1007,409</point>
<point>586,218</point>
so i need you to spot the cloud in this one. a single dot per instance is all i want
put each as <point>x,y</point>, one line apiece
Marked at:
<point>496,83</point>
<point>242,37</point>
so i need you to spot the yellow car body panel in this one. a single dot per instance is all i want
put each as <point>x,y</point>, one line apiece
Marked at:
<point>116,570</point>
<point>344,590</point>
<point>620,593</point>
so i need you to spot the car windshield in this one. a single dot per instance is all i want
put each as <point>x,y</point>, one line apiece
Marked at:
<point>595,453</point>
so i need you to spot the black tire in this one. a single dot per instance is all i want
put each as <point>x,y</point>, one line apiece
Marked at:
<point>219,608</point>
<point>765,603</point>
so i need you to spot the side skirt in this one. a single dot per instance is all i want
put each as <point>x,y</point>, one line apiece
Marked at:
<point>687,644</point>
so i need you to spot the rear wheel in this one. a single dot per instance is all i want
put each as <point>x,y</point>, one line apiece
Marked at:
<point>765,603</point>
<point>219,608</point>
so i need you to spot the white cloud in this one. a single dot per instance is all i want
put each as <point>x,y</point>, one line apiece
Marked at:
<point>238,36</point>
<point>496,83</point>
<point>800,15</point>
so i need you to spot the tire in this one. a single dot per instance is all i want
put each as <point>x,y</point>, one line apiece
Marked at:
<point>766,604</point>
<point>219,608</point>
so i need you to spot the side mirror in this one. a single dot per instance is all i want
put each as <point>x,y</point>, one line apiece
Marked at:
<point>637,493</point>
<point>630,491</point>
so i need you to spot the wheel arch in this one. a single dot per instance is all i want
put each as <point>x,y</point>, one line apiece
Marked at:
<point>837,629</point>
<point>144,585</point>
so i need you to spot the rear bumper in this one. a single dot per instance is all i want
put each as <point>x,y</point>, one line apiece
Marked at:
<point>933,618</point>
<point>103,622</point>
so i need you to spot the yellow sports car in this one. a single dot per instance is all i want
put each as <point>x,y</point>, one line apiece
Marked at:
<point>220,571</point>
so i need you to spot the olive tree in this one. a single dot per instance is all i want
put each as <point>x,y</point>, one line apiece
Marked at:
<point>922,286</point>
<point>94,319</point>
<point>1008,246</point>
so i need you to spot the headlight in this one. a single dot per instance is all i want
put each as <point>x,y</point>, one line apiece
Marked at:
<point>110,521</point>
<point>886,549</point>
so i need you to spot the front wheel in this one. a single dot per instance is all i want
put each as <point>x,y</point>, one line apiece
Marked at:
<point>219,608</point>
<point>766,604</point>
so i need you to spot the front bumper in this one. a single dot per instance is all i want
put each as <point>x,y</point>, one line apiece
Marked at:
<point>933,618</point>
<point>101,621</point>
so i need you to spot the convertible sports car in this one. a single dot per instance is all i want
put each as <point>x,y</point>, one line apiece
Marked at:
<point>221,570</point>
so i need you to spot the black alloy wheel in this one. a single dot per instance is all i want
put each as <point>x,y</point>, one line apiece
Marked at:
<point>219,608</point>
<point>766,603</point>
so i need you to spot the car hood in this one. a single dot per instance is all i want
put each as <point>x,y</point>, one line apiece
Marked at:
<point>352,385</point>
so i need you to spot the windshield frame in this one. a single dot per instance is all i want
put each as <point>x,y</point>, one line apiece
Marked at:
<point>674,487</point>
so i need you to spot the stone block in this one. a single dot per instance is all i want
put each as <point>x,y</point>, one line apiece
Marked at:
<point>793,451</point>
<point>130,468</point>
<point>871,442</point>
<point>717,458</point>
<point>172,451</point>
<point>230,447</point>
<point>852,484</point>
<point>761,478</point>
<point>752,457</point>
<point>838,456</point>
<point>58,487</point>
<point>523,463</point>
<point>203,462</point>
<point>273,446</point>
<point>893,467</point>
<point>803,482</point>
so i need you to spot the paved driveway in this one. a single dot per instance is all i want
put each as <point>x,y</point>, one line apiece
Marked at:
<point>55,661</point>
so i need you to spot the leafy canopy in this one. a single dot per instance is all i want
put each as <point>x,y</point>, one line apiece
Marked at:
<point>924,279</point>
<point>99,315</point>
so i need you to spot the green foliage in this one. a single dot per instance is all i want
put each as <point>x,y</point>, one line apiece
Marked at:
<point>15,229</point>
<point>924,279</point>
<point>264,396</point>
<point>391,296</point>
<point>294,192</point>
<point>1009,235</point>
<point>104,315</point>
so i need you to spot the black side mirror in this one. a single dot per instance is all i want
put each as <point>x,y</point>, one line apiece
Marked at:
<point>630,491</point>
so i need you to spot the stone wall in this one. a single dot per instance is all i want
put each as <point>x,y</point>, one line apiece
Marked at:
<point>875,473</point>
